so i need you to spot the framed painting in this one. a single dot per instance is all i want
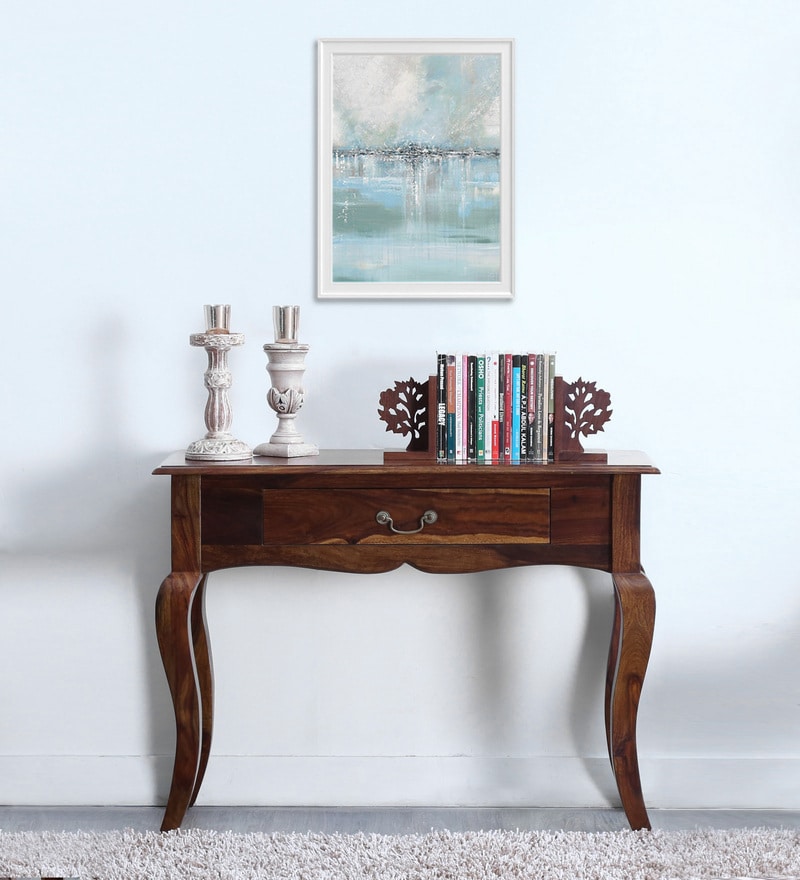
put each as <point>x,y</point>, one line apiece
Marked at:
<point>415,168</point>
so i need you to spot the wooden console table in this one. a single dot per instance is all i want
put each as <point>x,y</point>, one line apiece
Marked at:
<point>353,512</point>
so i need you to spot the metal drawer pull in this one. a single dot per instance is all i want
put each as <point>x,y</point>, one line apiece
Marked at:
<point>430,516</point>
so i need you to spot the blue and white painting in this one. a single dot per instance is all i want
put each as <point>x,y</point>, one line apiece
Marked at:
<point>416,189</point>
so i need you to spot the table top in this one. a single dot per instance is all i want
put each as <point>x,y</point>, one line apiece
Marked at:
<point>374,460</point>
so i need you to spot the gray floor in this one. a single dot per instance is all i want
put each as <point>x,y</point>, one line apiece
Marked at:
<point>394,820</point>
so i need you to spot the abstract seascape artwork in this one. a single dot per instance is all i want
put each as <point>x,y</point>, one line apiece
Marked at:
<point>415,168</point>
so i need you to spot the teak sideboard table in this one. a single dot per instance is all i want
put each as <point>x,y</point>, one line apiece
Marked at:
<point>351,511</point>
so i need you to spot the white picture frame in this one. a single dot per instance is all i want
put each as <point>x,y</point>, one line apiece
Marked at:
<point>415,168</point>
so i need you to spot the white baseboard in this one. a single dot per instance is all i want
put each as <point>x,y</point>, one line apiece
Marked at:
<point>669,783</point>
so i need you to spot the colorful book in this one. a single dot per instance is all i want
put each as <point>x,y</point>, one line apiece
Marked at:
<point>508,393</point>
<point>464,405</point>
<point>480,408</point>
<point>541,416</point>
<point>492,408</point>
<point>532,407</point>
<point>523,407</point>
<point>551,406</point>
<point>459,419</point>
<point>515,402</point>
<point>472,443</point>
<point>451,407</point>
<point>501,406</point>
<point>441,407</point>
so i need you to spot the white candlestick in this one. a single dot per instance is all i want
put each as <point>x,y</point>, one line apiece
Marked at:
<point>218,444</point>
<point>286,368</point>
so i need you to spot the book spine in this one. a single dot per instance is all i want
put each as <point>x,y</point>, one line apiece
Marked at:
<point>541,443</point>
<point>515,380</point>
<point>480,408</point>
<point>451,407</point>
<point>464,405</point>
<point>508,393</point>
<point>472,445</point>
<point>551,406</point>
<point>523,407</point>
<point>501,406</point>
<point>492,415</point>
<point>459,419</point>
<point>441,407</point>
<point>532,452</point>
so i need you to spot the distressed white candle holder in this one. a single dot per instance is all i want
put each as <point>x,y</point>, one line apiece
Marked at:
<point>218,444</point>
<point>286,367</point>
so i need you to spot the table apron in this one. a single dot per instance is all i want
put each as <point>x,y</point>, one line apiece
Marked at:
<point>436,559</point>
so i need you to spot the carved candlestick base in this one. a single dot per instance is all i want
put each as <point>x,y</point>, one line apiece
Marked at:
<point>218,444</point>
<point>286,367</point>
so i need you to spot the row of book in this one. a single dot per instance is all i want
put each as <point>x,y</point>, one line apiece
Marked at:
<point>495,407</point>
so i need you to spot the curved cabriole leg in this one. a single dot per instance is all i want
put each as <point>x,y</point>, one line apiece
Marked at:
<point>205,680</point>
<point>632,636</point>
<point>175,641</point>
<point>611,671</point>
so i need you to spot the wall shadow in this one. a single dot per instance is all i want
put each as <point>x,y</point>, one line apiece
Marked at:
<point>587,699</point>
<point>494,617</point>
<point>104,504</point>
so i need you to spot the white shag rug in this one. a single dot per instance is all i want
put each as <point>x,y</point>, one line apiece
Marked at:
<point>439,855</point>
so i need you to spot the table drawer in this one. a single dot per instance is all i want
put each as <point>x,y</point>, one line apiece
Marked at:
<point>462,516</point>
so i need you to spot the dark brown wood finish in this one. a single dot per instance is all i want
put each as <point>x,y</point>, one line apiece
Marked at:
<point>321,513</point>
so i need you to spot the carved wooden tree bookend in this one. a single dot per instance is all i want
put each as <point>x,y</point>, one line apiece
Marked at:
<point>581,408</point>
<point>405,408</point>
